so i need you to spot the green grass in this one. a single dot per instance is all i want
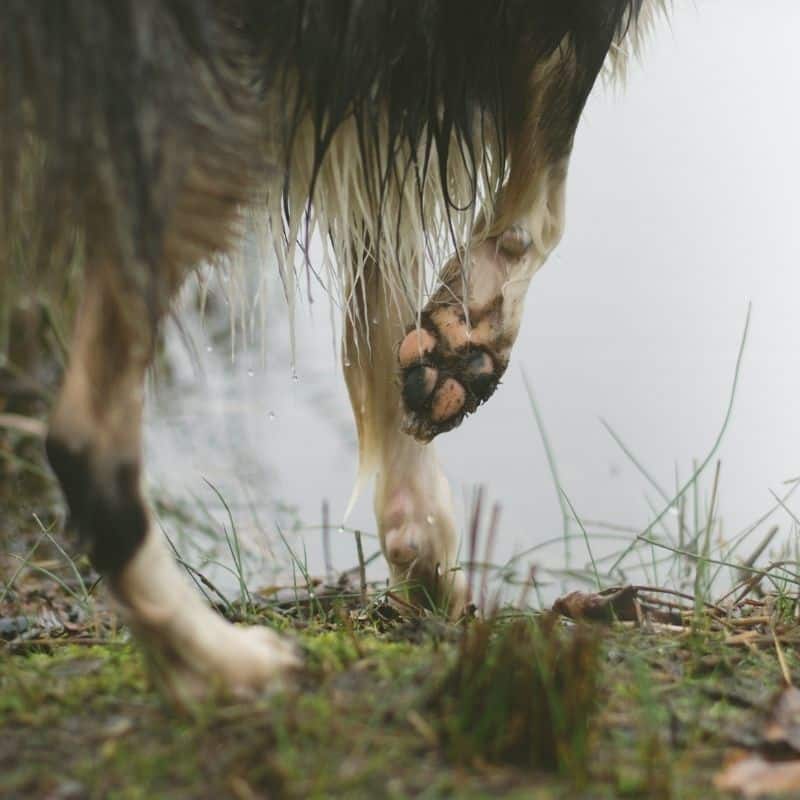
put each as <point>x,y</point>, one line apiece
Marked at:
<point>521,692</point>
<point>392,713</point>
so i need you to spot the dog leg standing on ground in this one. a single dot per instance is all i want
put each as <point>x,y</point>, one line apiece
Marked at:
<point>141,128</point>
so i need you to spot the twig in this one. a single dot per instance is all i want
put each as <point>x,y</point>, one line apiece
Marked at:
<point>362,567</point>
<point>357,568</point>
<point>24,644</point>
<point>394,597</point>
<point>675,593</point>
<point>487,552</point>
<point>326,543</point>
<point>755,578</point>
<point>756,554</point>
<point>787,677</point>
<point>473,538</point>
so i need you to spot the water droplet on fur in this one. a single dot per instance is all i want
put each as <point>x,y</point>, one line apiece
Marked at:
<point>430,519</point>
<point>347,362</point>
<point>251,373</point>
<point>209,349</point>
<point>272,416</point>
<point>374,320</point>
<point>340,529</point>
<point>295,377</point>
<point>439,570</point>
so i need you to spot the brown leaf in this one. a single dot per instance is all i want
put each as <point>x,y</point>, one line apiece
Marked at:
<point>754,776</point>
<point>783,725</point>
<point>606,606</point>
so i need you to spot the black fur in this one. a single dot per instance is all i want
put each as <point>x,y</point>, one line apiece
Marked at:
<point>106,510</point>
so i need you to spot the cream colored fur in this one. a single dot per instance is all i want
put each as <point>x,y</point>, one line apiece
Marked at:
<point>193,650</point>
<point>630,44</point>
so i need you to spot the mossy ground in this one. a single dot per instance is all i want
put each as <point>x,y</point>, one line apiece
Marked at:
<point>82,720</point>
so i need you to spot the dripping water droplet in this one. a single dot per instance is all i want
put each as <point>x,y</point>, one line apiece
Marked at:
<point>272,416</point>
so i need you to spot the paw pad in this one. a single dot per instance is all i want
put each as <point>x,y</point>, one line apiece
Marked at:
<point>440,383</point>
<point>453,359</point>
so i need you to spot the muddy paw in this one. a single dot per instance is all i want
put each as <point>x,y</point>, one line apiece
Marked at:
<point>453,361</point>
<point>442,384</point>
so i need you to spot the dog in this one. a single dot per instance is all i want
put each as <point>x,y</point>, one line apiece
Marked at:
<point>404,135</point>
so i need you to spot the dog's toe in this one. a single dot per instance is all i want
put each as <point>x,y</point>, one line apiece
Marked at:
<point>444,385</point>
<point>448,400</point>
<point>418,385</point>
<point>415,346</point>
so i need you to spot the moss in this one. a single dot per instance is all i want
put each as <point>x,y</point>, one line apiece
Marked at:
<point>82,721</point>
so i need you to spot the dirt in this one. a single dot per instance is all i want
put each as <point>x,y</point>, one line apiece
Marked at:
<point>79,717</point>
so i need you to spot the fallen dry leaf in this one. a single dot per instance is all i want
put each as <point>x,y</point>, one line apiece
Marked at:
<point>606,606</point>
<point>754,776</point>
<point>783,726</point>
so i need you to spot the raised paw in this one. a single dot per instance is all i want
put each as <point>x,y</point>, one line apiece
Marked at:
<point>453,359</point>
<point>442,385</point>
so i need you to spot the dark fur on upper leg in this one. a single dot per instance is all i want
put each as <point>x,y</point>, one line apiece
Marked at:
<point>108,513</point>
<point>106,107</point>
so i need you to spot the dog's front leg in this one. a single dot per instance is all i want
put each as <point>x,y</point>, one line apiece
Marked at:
<point>94,447</point>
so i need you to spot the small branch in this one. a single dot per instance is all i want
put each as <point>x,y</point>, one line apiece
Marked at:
<point>362,567</point>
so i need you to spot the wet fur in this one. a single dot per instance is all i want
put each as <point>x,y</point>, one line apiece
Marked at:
<point>140,131</point>
<point>144,125</point>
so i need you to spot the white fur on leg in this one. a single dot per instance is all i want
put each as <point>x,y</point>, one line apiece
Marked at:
<point>544,224</point>
<point>414,508</point>
<point>413,505</point>
<point>194,650</point>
